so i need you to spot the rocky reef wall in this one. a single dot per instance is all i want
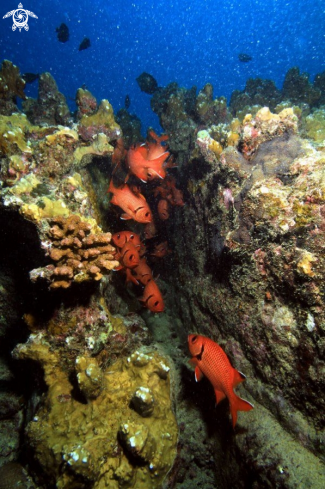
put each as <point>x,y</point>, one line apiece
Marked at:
<point>248,272</point>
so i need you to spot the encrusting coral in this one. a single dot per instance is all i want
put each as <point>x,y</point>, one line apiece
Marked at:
<point>105,442</point>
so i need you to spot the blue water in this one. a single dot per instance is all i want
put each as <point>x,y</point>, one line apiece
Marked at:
<point>191,42</point>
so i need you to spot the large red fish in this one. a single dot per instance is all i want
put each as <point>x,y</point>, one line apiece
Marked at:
<point>134,206</point>
<point>137,162</point>
<point>152,298</point>
<point>146,161</point>
<point>210,360</point>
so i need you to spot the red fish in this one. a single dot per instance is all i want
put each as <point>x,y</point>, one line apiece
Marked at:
<point>119,239</point>
<point>128,256</point>
<point>143,272</point>
<point>146,160</point>
<point>150,230</point>
<point>137,162</point>
<point>163,209</point>
<point>130,277</point>
<point>177,197</point>
<point>161,250</point>
<point>210,360</point>
<point>168,190</point>
<point>152,298</point>
<point>134,206</point>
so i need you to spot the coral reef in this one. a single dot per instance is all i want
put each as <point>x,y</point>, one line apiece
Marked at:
<point>315,126</point>
<point>100,443</point>
<point>100,122</point>
<point>50,107</point>
<point>131,127</point>
<point>11,86</point>
<point>86,103</point>
<point>243,263</point>
<point>297,88</point>
<point>256,213</point>
<point>256,92</point>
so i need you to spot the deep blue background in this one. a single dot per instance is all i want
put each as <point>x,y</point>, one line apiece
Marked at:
<point>189,41</point>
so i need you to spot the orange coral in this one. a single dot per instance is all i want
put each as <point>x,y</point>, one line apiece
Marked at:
<point>78,253</point>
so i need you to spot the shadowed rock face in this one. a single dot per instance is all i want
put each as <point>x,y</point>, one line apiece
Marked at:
<point>249,275</point>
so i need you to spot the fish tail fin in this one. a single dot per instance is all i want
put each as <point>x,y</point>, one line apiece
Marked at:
<point>238,404</point>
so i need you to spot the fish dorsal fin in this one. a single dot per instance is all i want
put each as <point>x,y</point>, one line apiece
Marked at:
<point>219,395</point>
<point>198,374</point>
<point>238,377</point>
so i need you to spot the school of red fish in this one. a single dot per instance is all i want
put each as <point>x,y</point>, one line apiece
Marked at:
<point>148,162</point>
<point>145,162</point>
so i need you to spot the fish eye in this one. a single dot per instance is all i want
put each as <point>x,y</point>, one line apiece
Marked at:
<point>193,340</point>
<point>147,214</point>
<point>131,257</point>
<point>131,236</point>
<point>156,303</point>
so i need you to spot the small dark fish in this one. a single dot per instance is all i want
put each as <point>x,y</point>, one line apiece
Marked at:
<point>147,83</point>
<point>63,33</point>
<point>127,102</point>
<point>85,44</point>
<point>30,77</point>
<point>244,58</point>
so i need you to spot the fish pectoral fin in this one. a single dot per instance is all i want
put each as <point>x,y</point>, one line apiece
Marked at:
<point>198,374</point>
<point>238,377</point>
<point>219,395</point>
<point>125,217</point>
<point>193,362</point>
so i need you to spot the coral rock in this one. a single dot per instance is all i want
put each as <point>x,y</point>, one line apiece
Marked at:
<point>86,103</point>
<point>143,402</point>
<point>79,253</point>
<point>89,376</point>
<point>72,439</point>
<point>51,107</point>
<point>11,86</point>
